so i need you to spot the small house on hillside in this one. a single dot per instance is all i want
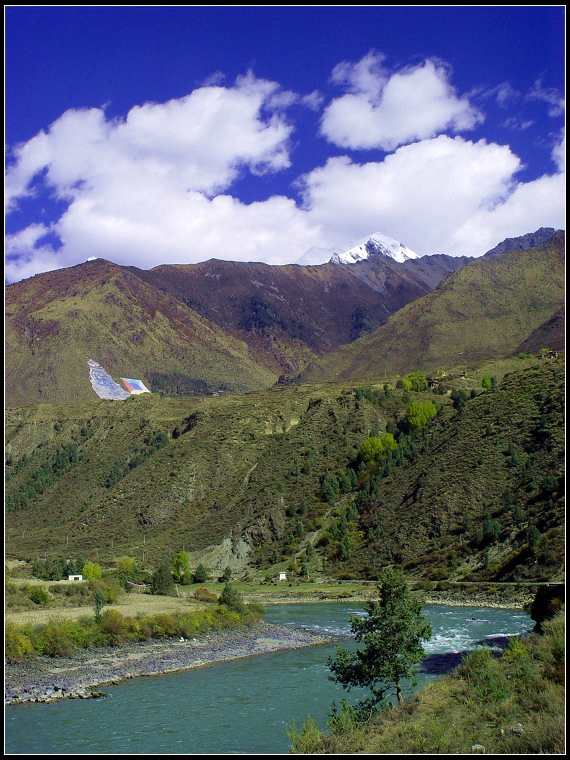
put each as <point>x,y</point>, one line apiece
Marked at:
<point>74,577</point>
<point>282,576</point>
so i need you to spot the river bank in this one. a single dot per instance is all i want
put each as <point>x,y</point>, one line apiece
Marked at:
<point>505,598</point>
<point>46,679</point>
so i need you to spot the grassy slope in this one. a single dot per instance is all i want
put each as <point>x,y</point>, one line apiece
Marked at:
<point>55,325</point>
<point>241,463</point>
<point>484,311</point>
<point>513,705</point>
<point>246,475</point>
<point>431,509</point>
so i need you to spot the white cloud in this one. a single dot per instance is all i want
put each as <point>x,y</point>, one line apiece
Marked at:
<point>559,152</point>
<point>520,125</point>
<point>420,194</point>
<point>549,95</point>
<point>198,142</point>
<point>384,110</point>
<point>142,190</point>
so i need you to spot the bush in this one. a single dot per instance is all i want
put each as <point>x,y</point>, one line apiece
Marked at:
<point>162,581</point>
<point>109,589</point>
<point>307,740</point>
<point>114,625</point>
<point>92,571</point>
<point>201,574</point>
<point>231,598</point>
<point>420,413</point>
<point>203,595</point>
<point>39,595</point>
<point>18,644</point>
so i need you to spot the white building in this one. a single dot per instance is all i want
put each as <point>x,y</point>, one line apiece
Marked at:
<point>74,577</point>
<point>282,576</point>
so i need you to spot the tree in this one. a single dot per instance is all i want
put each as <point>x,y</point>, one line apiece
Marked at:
<point>181,566</point>
<point>533,537</point>
<point>99,603</point>
<point>201,574</point>
<point>415,381</point>
<point>162,581</point>
<point>487,383</point>
<point>420,413</point>
<point>329,488</point>
<point>491,530</point>
<point>459,397</point>
<point>227,575</point>
<point>126,569</point>
<point>92,571</point>
<point>391,633</point>
<point>373,448</point>
<point>231,598</point>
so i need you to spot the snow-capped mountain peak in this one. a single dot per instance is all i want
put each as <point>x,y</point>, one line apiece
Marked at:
<point>374,245</point>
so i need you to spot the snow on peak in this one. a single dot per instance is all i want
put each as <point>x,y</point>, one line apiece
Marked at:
<point>374,245</point>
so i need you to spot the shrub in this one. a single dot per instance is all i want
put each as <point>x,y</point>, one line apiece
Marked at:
<point>109,589</point>
<point>18,644</point>
<point>201,574</point>
<point>375,447</point>
<point>420,413</point>
<point>162,581</point>
<point>114,625</point>
<point>203,595</point>
<point>307,740</point>
<point>39,595</point>
<point>92,571</point>
<point>231,598</point>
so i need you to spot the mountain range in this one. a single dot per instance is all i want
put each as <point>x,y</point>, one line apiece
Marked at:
<point>238,467</point>
<point>222,326</point>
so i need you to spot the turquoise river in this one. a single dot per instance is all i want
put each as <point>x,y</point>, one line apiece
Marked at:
<point>244,706</point>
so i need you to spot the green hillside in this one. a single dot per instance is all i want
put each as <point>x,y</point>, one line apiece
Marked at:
<point>477,494</point>
<point>258,479</point>
<point>57,321</point>
<point>484,311</point>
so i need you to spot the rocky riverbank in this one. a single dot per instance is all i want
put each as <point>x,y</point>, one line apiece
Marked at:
<point>45,679</point>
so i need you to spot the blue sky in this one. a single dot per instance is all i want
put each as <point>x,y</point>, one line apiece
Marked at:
<point>181,134</point>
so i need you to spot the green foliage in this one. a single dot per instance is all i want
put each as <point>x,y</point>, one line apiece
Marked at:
<point>459,397</point>
<point>39,595</point>
<point>330,489</point>
<point>484,695</point>
<point>137,455</point>
<point>201,574</point>
<point>92,571</point>
<point>420,413</point>
<point>43,478</point>
<point>127,570</point>
<point>162,581</point>
<point>60,638</point>
<point>98,603</point>
<point>231,598</point>
<point>226,575</point>
<point>391,634</point>
<point>415,381</point>
<point>181,566</point>
<point>17,644</point>
<point>373,448</point>
<point>490,531</point>
<point>306,740</point>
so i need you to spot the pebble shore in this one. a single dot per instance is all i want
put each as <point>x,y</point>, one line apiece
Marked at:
<point>45,679</point>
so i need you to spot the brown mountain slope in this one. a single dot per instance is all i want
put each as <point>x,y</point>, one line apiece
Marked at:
<point>549,334</point>
<point>483,311</point>
<point>287,314</point>
<point>59,320</point>
<point>185,329</point>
